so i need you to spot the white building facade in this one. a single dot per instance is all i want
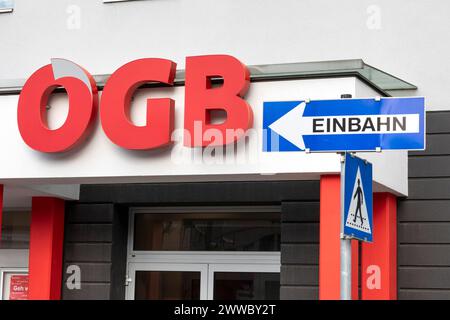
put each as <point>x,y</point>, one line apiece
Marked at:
<point>185,223</point>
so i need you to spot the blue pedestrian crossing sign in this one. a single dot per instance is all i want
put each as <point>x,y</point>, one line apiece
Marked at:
<point>374,124</point>
<point>357,211</point>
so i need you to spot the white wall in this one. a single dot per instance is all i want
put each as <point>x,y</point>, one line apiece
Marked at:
<point>409,40</point>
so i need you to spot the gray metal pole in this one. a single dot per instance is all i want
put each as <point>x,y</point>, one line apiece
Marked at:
<point>346,246</point>
<point>346,269</point>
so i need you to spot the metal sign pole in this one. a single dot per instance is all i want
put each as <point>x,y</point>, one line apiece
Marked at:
<point>346,269</point>
<point>346,246</point>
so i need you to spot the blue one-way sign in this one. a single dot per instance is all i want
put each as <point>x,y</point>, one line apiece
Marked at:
<point>344,125</point>
<point>357,214</point>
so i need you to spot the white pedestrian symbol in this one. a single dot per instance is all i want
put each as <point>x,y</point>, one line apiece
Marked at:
<point>357,215</point>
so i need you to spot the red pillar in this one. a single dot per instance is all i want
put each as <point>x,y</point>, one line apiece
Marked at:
<point>329,252</point>
<point>46,248</point>
<point>1,211</point>
<point>355,269</point>
<point>379,259</point>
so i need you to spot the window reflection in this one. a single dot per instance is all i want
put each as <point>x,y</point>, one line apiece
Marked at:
<point>211,232</point>
<point>167,285</point>
<point>15,230</point>
<point>246,286</point>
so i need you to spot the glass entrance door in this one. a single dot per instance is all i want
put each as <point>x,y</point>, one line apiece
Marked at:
<point>243,282</point>
<point>204,253</point>
<point>212,281</point>
<point>161,281</point>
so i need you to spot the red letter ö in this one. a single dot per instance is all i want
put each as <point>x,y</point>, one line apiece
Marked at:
<point>83,100</point>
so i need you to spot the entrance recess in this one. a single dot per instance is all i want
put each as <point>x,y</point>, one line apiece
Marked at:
<point>203,281</point>
<point>204,253</point>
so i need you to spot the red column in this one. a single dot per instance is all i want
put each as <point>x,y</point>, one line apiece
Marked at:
<point>355,269</point>
<point>379,259</point>
<point>46,248</point>
<point>1,211</point>
<point>329,252</point>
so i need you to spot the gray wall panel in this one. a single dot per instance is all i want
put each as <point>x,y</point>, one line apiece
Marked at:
<point>432,166</point>
<point>424,255</point>
<point>300,211</point>
<point>426,189</point>
<point>89,233</point>
<point>423,211</point>
<point>426,278</point>
<point>299,293</point>
<point>307,254</point>
<point>438,122</point>
<point>91,272</point>
<point>300,250</point>
<point>300,275</point>
<point>300,232</point>
<point>419,294</point>
<point>90,213</point>
<point>426,233</point>
<point>424,218</point>
<point>87,252</point>
<point>89,291</point>
<point>437,144</point>
<point>91,242</point>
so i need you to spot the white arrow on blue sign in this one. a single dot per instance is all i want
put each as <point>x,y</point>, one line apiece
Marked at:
<point>345,125</point>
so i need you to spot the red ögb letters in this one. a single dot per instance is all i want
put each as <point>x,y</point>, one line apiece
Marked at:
<point>201,98</point>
